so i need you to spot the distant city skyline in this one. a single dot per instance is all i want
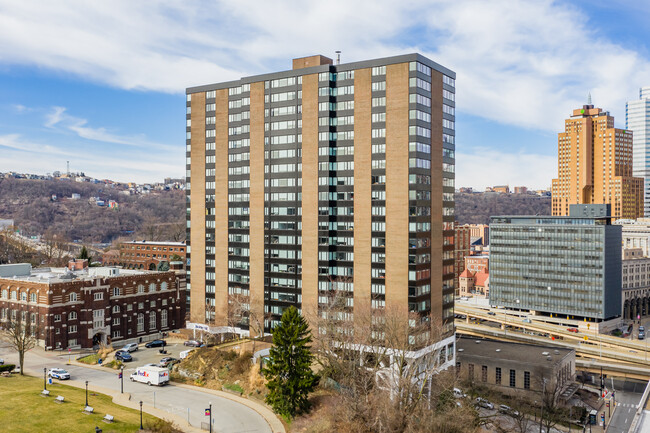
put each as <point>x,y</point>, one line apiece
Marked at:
<point>110,102</point>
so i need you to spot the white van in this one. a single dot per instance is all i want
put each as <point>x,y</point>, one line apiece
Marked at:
<point>151,375</point>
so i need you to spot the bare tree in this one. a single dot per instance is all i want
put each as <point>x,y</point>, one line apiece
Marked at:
<point>241,315</point>
<point>551,386</point>
<point>386,364</point>
<point>53,248</point>
<point>20,333</point>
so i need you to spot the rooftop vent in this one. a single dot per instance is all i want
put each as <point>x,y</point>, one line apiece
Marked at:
<point>498,350</point>
<point>557,352</point>
<point>545,353</point>
<point>478,341</point>
<point>461,350</point>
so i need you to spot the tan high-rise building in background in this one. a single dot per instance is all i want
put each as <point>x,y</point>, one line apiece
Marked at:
<point>319,178</point>
<point>595,166</point>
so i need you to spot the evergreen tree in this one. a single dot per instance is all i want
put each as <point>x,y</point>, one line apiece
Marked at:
<point>289,374</point>
<point>85,255</point>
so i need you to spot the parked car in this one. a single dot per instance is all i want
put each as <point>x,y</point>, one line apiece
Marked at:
<point>168,361</point>
<point>123,355</point>
<point>508,410</point>
<point>192,343</point>
<point>131,347</point>
<point>641,335</point>
<point>526,320</point>
<point>492,313</point>
<point>155,343</point>
<point>2,361</point>
<point>58,373</point>
<point>484,403</point>
<point>573,330</point>
<point>641,329</point>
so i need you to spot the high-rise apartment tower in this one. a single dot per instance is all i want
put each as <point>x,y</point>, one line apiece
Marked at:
<point>595,166</point>
<point>319,178</point>
<point>637,120</point>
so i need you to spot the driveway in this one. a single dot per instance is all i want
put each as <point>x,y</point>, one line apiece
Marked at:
<point>188,403</point>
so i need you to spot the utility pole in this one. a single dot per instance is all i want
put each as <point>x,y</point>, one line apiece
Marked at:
<point>541,415</point>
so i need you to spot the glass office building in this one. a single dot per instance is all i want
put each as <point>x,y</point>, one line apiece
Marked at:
<point>637,119</point>
<point>557,265</point>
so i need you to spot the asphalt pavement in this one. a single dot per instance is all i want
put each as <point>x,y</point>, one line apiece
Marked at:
<point>188,403</point>
<point>626,406</point>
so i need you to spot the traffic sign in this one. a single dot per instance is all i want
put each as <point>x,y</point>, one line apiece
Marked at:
<point>119,375</point>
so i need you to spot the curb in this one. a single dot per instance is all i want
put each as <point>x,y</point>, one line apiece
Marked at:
<point>272,420</point>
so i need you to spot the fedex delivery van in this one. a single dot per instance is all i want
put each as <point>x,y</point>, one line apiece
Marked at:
<point>151,375</point>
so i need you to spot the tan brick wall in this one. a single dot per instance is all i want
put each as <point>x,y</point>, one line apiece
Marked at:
<point>221,209</point>
<point>362,192</point>
<point>197,204</point>
<point>257,201</point>
<point>397,171</point>
<point>310,195</point>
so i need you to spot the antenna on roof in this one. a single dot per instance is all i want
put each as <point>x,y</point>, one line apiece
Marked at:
<point>338,57</point>
<point>589,99</point>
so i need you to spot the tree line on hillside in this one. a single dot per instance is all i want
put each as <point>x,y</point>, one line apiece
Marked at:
<point>156,216</point>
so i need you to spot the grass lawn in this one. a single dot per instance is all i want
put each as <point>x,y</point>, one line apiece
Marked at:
<point>24,410</point>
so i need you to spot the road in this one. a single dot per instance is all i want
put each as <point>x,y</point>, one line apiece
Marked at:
<point>627,403</point>
<point>229,416</point>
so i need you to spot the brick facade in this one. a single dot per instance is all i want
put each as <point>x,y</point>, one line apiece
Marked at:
<point>91,308</point>
<point>146,255</point>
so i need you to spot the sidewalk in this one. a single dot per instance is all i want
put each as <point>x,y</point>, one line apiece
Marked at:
<point>124,399</point>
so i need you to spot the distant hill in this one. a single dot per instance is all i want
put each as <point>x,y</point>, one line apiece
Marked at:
<point>158,215</point>
<point>477,208</point>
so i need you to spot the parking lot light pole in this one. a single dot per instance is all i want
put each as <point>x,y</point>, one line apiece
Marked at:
<point>86,393</point>
<point>44,378</point>
<point>121,379</point>
<point>141,427</point>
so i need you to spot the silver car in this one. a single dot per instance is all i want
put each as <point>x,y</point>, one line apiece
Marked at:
<point>131,347</point>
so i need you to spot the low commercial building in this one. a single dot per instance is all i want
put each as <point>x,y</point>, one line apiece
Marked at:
<point>148,255</point>
<point>636,234</point>
<point>474,284</point>
<point>73,308</point>
<point>515,368</point>
<point>636,284</point>
<point>566,265</point>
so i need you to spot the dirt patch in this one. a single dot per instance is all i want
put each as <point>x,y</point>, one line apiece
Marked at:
<point>221,369</point>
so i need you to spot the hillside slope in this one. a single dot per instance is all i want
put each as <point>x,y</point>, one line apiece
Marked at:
<point>159,215</point>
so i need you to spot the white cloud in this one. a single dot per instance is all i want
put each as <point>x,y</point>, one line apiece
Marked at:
<point>520,62</point>
<point>481,167</point>
<point>140,165</point>
<point>58,117</point>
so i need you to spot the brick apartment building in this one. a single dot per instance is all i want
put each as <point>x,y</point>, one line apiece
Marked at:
<point>146,254</point>
<point>85,307</point>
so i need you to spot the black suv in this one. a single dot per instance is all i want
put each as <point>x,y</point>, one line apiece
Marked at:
<point>156,343</point>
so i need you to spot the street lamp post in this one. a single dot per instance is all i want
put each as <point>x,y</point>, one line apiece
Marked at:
<point>44,378</point>
<point>141,426</point>
<point>122,379</point>
<point>86,393</point>
<point>210,417</point>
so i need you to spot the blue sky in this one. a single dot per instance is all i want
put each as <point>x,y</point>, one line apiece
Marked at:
<point>101,84</point>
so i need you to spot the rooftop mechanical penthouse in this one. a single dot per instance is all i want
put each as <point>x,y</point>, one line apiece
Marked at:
<point>319,178</point>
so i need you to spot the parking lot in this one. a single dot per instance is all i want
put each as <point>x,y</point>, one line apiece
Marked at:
<point>144,356</point>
